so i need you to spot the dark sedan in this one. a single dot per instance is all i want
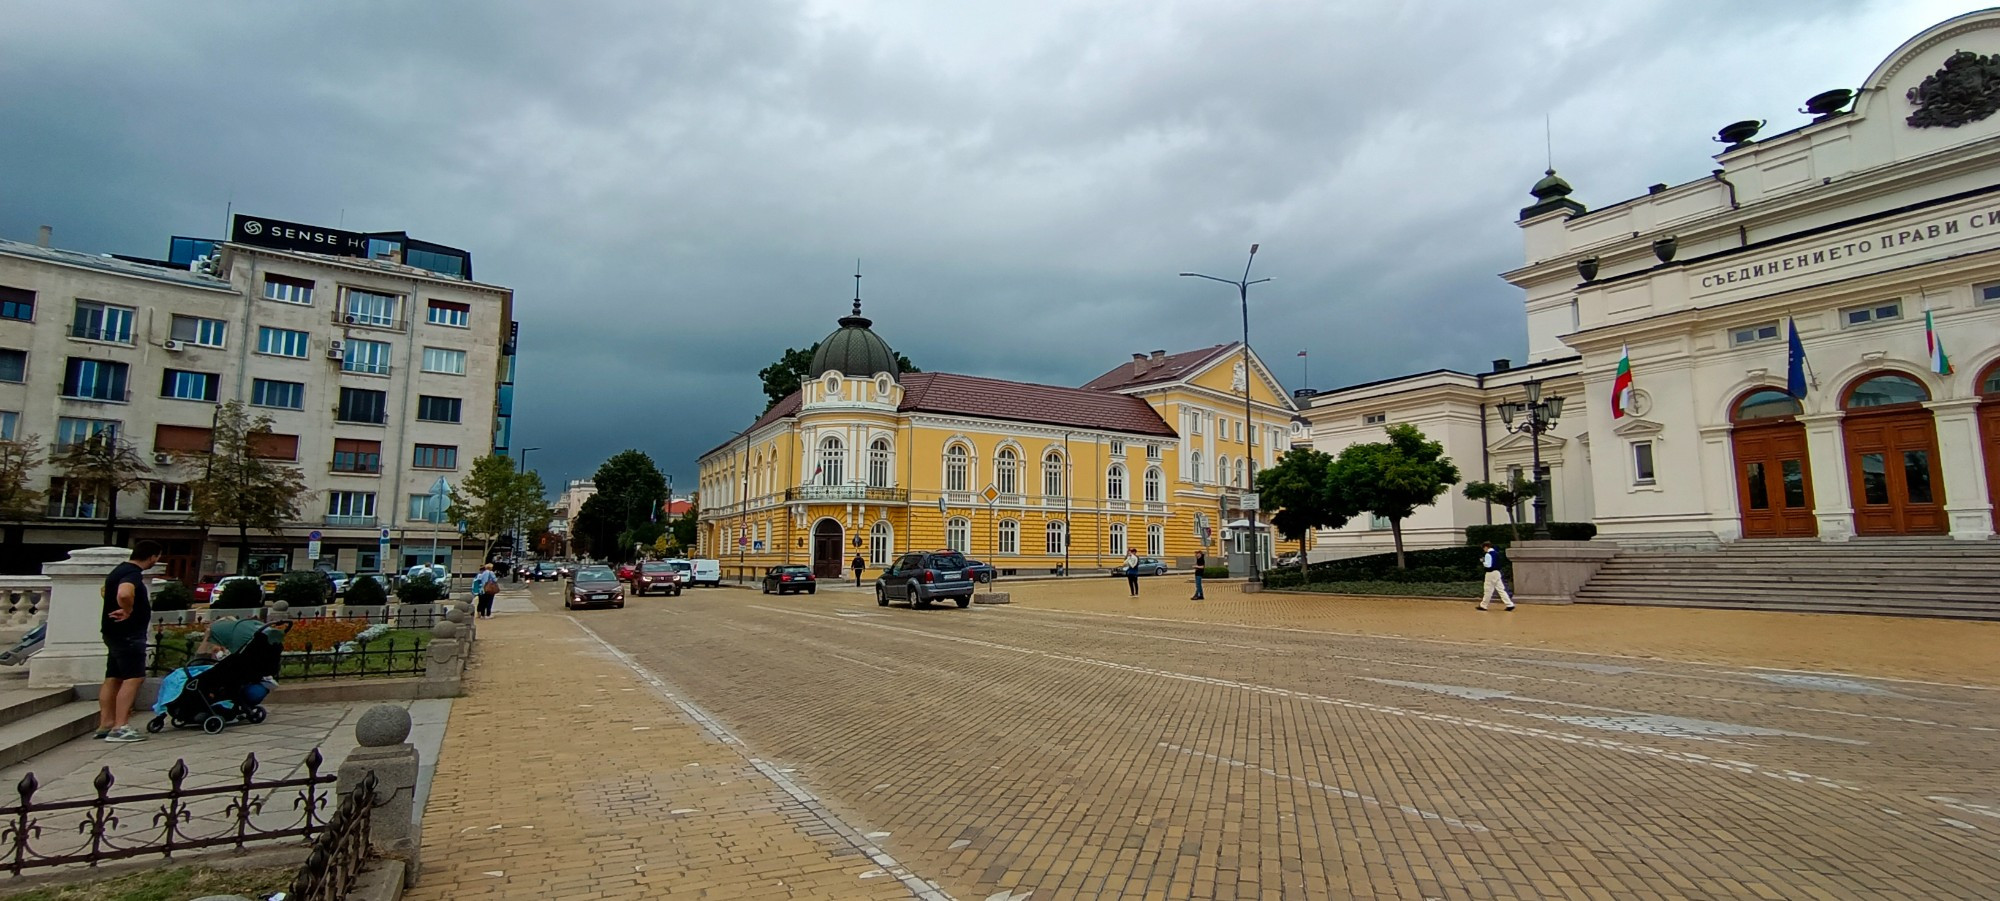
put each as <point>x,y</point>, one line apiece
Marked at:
<point>594,587</point>
<point>787,579</point>
<point>1148,566</point>
<point>979,570</point>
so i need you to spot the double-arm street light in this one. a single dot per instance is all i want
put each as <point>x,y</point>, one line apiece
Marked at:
<point>1537,415</point>
<point>1249,424</point>
<point>520,541</point>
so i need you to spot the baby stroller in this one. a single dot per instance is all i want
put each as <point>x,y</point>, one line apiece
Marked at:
<point>212,693</point>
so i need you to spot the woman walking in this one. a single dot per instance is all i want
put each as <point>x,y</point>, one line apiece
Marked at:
<point>1132,570</point>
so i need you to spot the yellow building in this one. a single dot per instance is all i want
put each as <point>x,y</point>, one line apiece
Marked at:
<point>1034,479</point>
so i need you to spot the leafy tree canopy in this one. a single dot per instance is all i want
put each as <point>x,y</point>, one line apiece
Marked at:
<point>495,499</point>
<point>1510,495</point>
<point>1391,479</point>
<point>18,459</point>
<point>240,483</point>
<point>630,489</point>
<point>104,465</point>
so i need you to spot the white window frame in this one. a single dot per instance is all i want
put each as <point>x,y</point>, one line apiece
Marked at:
<point>1055,537</point>
<point>366,357</point>
<point>81,429</point>
<point>209,381</point>
<point>1872,313</point>
<point>1007,471</point>
<point>298,385</point>
<point>1987,293</point>
<point>1755,332</point>
<point>10,423</point>
<point>1053,483</point>
<point>1010,537</point>
<point>1155,485</point>
<point>1223,470</point>
<point>169,497</point>
<point>451,318</point>
<point>957,467</point>
<point>200,330</point>
<point>1115,535</point>
<point>360,306</point>
<point>1375,418</point>
<point>350,505</point>
<point>301,294</point>
<point>1152,452</point>
<point>1114,482</point>
<point>67,500</point>
<point>278,342</point>
<point>114,321</point>
<point>1156,540</point>
<point>444,360</point>
<point>1644,471</point>
<point>1194,467</point>
<point>881,464</point>
<point>958,534</point>
<point>881,543</point>
<point>832,461</point>
<point>1117,447</point>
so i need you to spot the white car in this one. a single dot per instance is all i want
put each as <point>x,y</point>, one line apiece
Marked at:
<point>706,572</point>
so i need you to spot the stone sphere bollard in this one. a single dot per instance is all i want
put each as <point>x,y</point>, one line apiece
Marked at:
<point>384,725</point>
<point>280,606</point>
<point>445,629</point>
<point>456,615</point>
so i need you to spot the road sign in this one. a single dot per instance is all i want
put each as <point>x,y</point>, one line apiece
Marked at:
<point>991,494</point>
<point>312,545</point>
<point>942,507</point>
<point>1249,501</point>
<point>382,551</point>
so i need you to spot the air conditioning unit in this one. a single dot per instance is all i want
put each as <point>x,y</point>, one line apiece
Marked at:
<point>163,459</point>
<point>173,345</point>
<point>333,349</point>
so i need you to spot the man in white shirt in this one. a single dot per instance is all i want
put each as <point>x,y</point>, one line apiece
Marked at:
<point>1490,560</point>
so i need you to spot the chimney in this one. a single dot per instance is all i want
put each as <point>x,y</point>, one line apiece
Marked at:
<point>1159,355</point>
<point>42,236</point>
<point>1502,365</point>
<point>1138,364</point>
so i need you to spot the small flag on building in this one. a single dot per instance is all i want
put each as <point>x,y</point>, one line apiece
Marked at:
<point>1621,385</point>
<point>1795,361</point>
<point>1940,363</point>
<point>1302,353</point>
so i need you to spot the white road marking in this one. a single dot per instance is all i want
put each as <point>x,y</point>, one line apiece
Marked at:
<point>1151,637</point>
<point>1636,721</point>
<point>920,887</point>
<point>1958,804</point>
<point>1569,738</point>
<point>1332,789</point>
<point>863,663</point>
<point>960,844</point>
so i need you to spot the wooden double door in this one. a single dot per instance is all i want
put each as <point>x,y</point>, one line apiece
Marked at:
<point>1894,478</point>
<point>1774,481</point>
<point>1989,445</point>
<point>827,560</point>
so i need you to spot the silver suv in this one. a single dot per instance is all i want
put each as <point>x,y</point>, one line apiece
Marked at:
<point>923,577</point>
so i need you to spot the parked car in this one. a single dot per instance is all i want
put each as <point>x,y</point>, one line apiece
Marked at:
<point>789,578</point>
<point>706,572</point>
<point>980,571</point>
<point>388,584</point>
<point>1289,558</point>
<point>1148,566</point>
<point>625,571</point>
<point>923,577</point>
<point>204,588</point>
<point>657,575</point>
<point>337,582</point>
<point>595,586</point>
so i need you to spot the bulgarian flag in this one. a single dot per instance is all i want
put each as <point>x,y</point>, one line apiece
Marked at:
<point>1621,387</point>
<point>1940,363</point>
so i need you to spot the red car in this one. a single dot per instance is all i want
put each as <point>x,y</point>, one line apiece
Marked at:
<point>625,572</point>
<point>205,587</point>
<point>657,576</point>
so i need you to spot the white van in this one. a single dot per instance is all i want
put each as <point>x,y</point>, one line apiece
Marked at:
<point>707,572</point>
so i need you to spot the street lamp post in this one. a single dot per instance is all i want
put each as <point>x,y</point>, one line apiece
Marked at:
<point>520,544</point>
<point>1249,423</point>
<point>1538,415</point>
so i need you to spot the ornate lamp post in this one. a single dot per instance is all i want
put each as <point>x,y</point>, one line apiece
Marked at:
<point>1242,286</point>
<point>1537,415</point>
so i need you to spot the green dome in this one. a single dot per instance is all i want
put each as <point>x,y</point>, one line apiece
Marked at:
<point>854,350</point>
<point>1550,187</point>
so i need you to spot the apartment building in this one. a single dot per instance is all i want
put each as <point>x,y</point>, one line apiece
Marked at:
<point>384,368</point>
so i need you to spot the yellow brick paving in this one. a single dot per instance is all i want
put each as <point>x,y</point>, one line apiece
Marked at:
<point>564,775</point>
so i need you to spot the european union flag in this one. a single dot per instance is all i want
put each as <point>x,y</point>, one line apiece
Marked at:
<point>1795,362</point>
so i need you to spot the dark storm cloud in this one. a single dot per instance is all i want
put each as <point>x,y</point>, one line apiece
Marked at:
<point>677,190</point>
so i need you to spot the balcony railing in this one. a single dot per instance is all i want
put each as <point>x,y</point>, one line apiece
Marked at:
<point>112,335</point>
<point>364,368</point>
<point>357,464</point>
<point>369,320</point>
<point>848,493</point>
<point>335,519</point>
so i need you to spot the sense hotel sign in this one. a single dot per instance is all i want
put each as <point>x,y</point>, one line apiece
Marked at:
<point>1852,248</point>
<point>281,235</point>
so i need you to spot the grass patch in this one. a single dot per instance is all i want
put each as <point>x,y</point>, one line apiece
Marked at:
<point>1399,589</point>
<point>176,884</point>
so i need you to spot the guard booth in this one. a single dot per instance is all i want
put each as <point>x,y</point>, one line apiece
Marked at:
<point>1242,546</point>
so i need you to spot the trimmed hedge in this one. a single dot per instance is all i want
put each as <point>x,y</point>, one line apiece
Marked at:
<point>172,596</point>
<point>1434,565</point>
<point>419,589</point>
<point>366,593</point>
<point>1400,589</point>
<point>302,589</point>
<point>1215,572</point>
<point>1503,535</point>
<point>241,594</point>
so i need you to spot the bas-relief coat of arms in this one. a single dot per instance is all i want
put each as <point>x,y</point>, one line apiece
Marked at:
<point>1965,90</point>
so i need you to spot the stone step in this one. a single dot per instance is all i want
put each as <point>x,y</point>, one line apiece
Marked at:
<point>1899,580</point>
<point>1638,594</point>
<point>1918,594</point>
<point>18,701</point>
<point>31,735</point>
<point>1984,613</point>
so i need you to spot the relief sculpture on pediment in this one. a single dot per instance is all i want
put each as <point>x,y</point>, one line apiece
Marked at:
<point>1965,90</point>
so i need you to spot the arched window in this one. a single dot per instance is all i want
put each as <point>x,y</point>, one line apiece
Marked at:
<point>1153,494</point>
<point>1010,537</point>
<point>832,461</point>
<point>1114,482</point>
<point>1058,538</point>
<point>1117,539</point>
<point>1156,540</point>
<point>1222,470</point>
<point>1766,403</point>
<point>1006,471</point>
<point>1052,474</point>
<point>1991,383</point>
<point>958,535</point>
<point>957,467</point>
<point>1194,467</point>
<point>881,543</point>
<point>771,475</point>
<point>1242,474</point>
<point>878,463</point>
<point>1884,389</point>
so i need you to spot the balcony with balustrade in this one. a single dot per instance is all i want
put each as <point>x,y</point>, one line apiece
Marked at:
<point>868,493</point>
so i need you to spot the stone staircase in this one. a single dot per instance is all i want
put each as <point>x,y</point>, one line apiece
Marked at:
<point>33,720</point>
<point>1900,576</point>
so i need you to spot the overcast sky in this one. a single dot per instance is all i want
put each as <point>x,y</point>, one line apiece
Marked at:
<point>678,191</point>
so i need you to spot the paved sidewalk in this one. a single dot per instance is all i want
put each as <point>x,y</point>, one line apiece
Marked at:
<point>565,773</point>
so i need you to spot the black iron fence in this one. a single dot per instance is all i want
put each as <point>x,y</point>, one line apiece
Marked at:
<point>387,656</point>
<point>341,849</point>
<point>108,826</point>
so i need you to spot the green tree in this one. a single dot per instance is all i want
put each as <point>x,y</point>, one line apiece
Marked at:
<point>686,529</point>
<point>1510,495</point>
<point>784,376</point>
<point>240,484</point>
<point>104,465</point>
<point>1301,495</point>
<point>1392,479</point>
<point>494,499</point>
<point>18,459</point>
<point>630,489</point>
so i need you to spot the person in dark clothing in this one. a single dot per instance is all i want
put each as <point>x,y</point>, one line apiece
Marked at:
<point>1132,570</point>
<point>1200,563</point>
<point>127,614</point>
<point>859,565</point>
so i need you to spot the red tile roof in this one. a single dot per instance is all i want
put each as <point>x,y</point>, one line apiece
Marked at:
<point>971,395</point>
<point>1164,369</point>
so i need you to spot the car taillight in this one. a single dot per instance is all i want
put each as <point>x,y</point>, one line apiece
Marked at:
<point>929,576</point>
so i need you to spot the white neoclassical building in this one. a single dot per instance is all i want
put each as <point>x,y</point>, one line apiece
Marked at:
<point>1879,206</point>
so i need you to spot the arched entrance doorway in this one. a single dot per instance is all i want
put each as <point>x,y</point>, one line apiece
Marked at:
<point>1989,434</point>
<point>1773,472</point>
<point>1892,466</point>
<point>827,561</point>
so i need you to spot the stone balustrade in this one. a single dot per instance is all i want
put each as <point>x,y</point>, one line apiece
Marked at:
<point>24,601</point>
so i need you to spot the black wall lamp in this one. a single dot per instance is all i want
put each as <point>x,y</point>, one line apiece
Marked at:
<point>1587,267</point>
<point>1664,248</point>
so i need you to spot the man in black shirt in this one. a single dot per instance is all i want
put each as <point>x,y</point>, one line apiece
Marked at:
<point>127,613</point>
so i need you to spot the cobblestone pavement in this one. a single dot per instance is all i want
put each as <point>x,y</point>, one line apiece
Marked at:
<point>1081,744</point>
<point>567,774</point>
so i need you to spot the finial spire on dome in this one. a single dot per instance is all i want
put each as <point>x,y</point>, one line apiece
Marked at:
<point>857,286</point>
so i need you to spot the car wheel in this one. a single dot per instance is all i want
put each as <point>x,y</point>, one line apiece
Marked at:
<point>964,602</point>
<point>620,605</point>
<point>813,590</point>
<point>985,577</point>
<point>918,601</point>
<point>767,588</point>
<point>881,597</point>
